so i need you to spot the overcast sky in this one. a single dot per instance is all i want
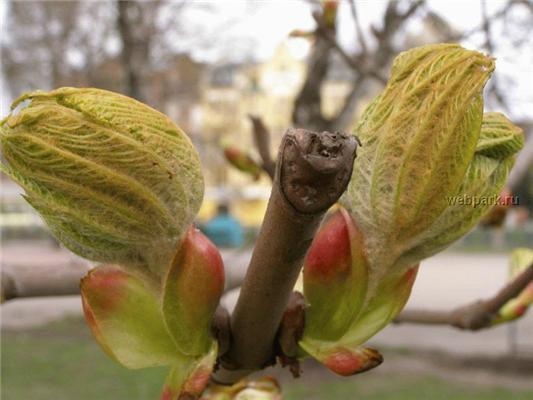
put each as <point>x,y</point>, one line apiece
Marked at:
<point>259,26</point>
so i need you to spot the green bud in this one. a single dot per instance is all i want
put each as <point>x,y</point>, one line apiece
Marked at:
<point>424,146</point>
<point>426,143</point>
<point>242,161</point>
<point>115,180</point>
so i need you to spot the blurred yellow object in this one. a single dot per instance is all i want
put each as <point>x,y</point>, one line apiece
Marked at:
<point>266,388</point>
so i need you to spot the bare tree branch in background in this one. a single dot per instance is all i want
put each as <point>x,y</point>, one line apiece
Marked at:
<point>473,316</point>
<point>46,29</point>
<point>56,280</point>
<point>366,65</point>
<point>370,63</point>
<point>307,106</point>
<point>128,14</point>
<point>262,143</point>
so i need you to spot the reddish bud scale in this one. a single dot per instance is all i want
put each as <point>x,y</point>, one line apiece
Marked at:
<point>201,270</point>
<point>198,381</point>
<point>335,278</point>
<point>167,394</point>
<point>232,153</point>
<point>520,310</point>
<point>329,257</point>
<point>105,287</point>
<point>90,318</point>
<point>188,382</point>
<point>330,12</point>
<point>125,318</point>
<point>346,362</point>
<point>192,388</point>
<point>398,294</point>
<point>192,290</point>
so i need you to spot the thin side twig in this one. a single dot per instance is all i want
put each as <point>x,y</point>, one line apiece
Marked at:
<point>262,143</point>
<point>26,281</point>
<point>359,31</point>
<point>472,316</point>
<point>353,63</point>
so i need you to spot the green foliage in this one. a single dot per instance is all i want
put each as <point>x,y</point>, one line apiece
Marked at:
<point>115,180</point>
<point>425,141</point>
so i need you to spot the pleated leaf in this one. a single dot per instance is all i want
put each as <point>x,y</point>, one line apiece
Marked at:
<point>115,180</point>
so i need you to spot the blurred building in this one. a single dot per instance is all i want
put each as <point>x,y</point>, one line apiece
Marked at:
<point>267,90</point>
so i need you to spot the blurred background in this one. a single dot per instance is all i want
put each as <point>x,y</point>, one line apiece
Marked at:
<point>210,66</point>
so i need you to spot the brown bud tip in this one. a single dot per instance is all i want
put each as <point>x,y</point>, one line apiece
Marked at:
<point>315,168</point>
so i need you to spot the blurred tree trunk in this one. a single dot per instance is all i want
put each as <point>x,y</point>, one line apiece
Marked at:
<point>366,65</point>
<point>307,106</point>
<point>125,24</point>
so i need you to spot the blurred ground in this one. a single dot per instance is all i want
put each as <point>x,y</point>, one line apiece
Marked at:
<point>61,361</point>
<point>45,356</point>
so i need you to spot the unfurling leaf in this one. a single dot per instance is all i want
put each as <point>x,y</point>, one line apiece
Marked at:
<point>115,180</point>
<point>426,146</point>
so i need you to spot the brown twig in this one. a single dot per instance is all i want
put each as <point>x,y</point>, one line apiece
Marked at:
<point>473,316</point>
<point>291,332</point>
<point>312,172</point>
<point>27,281</point>
<point>262,142</point>
<point>220,329</point>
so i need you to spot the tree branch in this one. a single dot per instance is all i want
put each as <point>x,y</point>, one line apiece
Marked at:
<point>353,63</point>
<point>307,110</point>
<point>312,172</point>
<point>125,29</point>
<point>262,143</point>
<point>26,281</point>
<point>358,30</point>
<point>473,316</point>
